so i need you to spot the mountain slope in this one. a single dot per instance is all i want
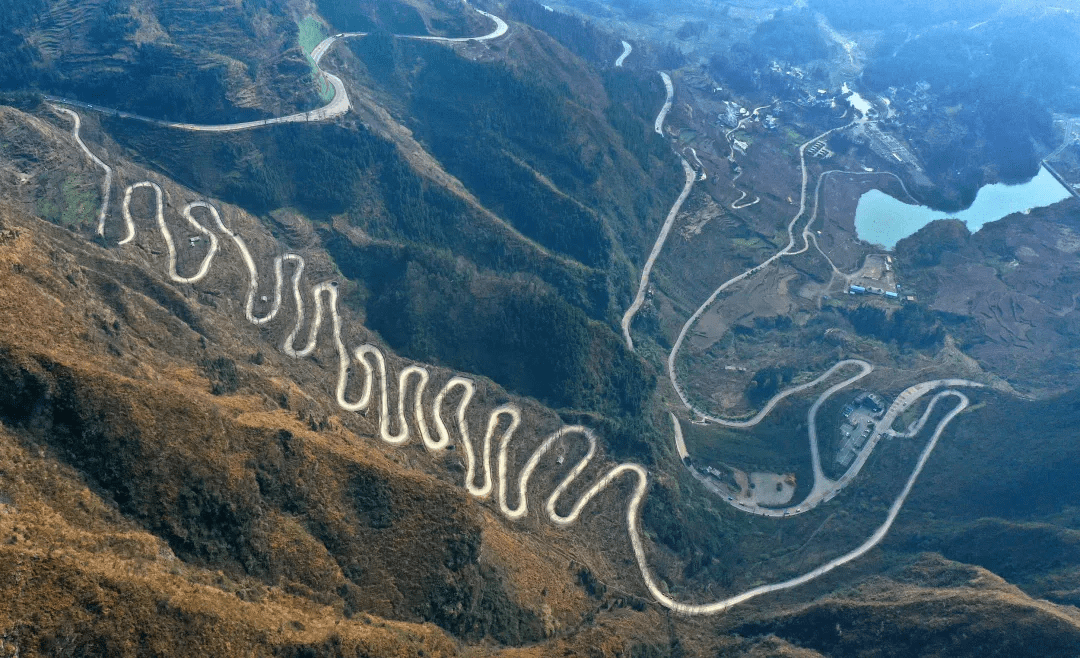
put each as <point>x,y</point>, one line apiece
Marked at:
<point>185,446</point>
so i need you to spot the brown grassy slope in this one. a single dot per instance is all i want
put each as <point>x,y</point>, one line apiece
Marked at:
<point>79,579</point>
<point>106,376</point>
<point>220,487</point>
<point>80,572</point>
<point>931,607</point>
<point>131,457</point>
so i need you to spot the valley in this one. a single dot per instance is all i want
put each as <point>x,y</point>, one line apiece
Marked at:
<point>823,488</point>
<point>625,365</point>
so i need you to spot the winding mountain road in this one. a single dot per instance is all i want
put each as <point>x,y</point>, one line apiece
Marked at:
<point>786,251</point>
<point>737,204</point>
<point>626,50</point>
<point>429,422</point>
<point>337,106</point>
<point>498,478</point>
<point>669,221</point>
<point>106,184</point>
<point>823,488</point>
<point>670,88</point>
<point>862,549</point>
<point>646,271</point>
<point>412,381</point>
<point>693,154</point>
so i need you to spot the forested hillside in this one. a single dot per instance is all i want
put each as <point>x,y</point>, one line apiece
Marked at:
<point>992,91</point>
<point>523,279</point>
<point>243,68</point>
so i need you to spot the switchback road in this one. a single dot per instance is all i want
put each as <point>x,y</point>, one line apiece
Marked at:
<point>106,184</point>
<point>428,422</point>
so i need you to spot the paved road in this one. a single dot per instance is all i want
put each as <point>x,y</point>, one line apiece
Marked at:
<point>159,215</point>
<point>862,549</point>
<point>502,421</point>
<point>808,234</point>
<point>786,251</point>
<point>1061,179</point>
<point>106,185</point>
<point>1070,137</point>
<point>823,489</point>
<point>337,106</point>
<point>646,271</point>
<point>693,154</point>
<point>669,221</point>
<point>659,124</point>
<point>729,136</point>
<point>737,204</point>
<point>680,443</point>
<point>626,49</point>
<point>494,479</point>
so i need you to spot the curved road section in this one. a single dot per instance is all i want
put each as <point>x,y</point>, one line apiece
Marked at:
<point>659,125</point>
<point>646,272</point>
<point>488,468</point>
<point>626,50</point>
<point>737,204</point>
<point>788,250</point>
<point>691,176</point>
<point>862,549</point>
<point>824,489</point>
<point>502,423</point>
<point>489,461</point>
<point>106,185</point>
<point>337,106</point>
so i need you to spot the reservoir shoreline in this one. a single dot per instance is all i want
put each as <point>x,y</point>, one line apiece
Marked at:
<point>885,220</point>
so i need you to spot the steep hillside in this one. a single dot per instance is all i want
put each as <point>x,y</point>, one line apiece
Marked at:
<point>467,181</point>
<point>931,607</point>
<point>241,68</point>
<point>355,383</point>
<point>187,456</point>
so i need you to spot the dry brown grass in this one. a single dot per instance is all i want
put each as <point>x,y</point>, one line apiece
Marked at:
<point>101,576</point>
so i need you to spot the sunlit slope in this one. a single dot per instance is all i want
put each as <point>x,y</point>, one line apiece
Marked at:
<point>494,218</point>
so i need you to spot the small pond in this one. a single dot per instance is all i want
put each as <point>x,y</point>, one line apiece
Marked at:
<point>885,220</point>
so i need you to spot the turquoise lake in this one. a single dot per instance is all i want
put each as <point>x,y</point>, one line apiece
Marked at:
<point>884,220</point>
